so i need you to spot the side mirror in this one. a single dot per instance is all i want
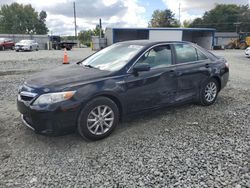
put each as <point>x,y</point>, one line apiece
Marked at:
<point>140,67</point>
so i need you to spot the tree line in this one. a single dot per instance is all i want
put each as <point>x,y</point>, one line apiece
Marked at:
<point>224,18</point>
<point>22,19</point>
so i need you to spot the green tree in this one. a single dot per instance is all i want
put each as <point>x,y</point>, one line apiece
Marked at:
<point>22,19</point>
<point>186,23</point>
<point>41,26</point>
<point>224,18</point>
<point>85,36</point>
<point>163,18</point>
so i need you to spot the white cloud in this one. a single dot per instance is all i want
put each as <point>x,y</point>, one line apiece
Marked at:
<point>191,9</point>
<point>109,2</point>
<point>184,9</point>
<point>114,13</point>
<point>134,17</point>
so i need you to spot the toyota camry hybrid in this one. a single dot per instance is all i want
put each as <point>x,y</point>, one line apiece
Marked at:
<point>93,95</point>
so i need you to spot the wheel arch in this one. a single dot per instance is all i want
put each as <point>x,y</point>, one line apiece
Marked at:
<point>116,101</point>
<point>218,80</point>
<point>111,96</point>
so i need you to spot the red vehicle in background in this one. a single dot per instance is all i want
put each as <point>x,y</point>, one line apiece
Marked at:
<point>6,43</point>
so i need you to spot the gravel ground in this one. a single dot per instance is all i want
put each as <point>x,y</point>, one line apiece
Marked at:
<point>187,146</point>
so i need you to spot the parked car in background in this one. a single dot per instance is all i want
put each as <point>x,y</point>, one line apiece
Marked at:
<point>247,52</point>
<point>26,45</point>
<point>6,43</point>
<point>122,79</point>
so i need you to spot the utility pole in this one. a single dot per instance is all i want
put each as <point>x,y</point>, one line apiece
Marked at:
<point>180,14</point>
<point>100,27</point>
<point>74,6</point>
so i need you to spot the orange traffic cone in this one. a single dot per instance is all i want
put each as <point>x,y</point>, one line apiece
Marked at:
<point>65,57</point>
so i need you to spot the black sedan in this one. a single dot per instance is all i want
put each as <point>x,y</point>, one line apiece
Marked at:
<point>122,79</point>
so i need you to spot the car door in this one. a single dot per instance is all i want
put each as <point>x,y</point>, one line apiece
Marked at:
<point>153,88</point>
<point>6,44</point>
<point>192,69</point>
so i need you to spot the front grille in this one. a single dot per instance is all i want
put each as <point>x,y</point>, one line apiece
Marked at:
<point>28,120</point>
<point>27,96</point>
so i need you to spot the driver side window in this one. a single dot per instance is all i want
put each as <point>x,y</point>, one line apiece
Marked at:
<point>157,57</point>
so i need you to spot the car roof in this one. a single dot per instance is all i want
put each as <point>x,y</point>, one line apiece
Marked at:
<point>151,43</point>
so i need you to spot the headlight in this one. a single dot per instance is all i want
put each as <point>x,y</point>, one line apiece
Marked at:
<point>51,98</point>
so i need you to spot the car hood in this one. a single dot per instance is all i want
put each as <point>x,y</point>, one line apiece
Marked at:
<point>65,76</point>
<point>22,43</point>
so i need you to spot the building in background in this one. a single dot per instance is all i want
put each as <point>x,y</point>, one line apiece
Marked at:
<point>201,36</point>
<point>224,38</point>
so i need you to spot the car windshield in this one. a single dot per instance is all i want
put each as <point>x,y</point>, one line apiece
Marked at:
<point>112,58</point>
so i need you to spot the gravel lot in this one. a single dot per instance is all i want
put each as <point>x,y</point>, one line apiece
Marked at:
<point>187,146</point>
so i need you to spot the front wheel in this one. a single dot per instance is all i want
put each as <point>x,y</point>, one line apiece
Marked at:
<point>98,119</point>
<point>209,92</point>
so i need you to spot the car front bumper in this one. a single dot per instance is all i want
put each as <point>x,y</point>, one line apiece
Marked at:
<point>224,79</point>
<point>24,48</point>
<point>60,120</point>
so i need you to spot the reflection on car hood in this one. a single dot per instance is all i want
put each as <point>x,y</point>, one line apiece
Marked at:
<point>65,76</point>
<point>21,43</point>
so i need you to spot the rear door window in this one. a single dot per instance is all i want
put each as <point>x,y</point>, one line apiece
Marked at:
<point>185,53</point>
<point>200,55</point>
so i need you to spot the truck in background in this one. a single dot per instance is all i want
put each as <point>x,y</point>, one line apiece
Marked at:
<point>58,44</point>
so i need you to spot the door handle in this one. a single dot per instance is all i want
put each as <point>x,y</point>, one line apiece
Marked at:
<point>207,65</point>
<point>172,73</point>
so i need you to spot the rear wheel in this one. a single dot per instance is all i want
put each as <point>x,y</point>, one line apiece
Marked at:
<point>98,119</point>
<point>209,92</point>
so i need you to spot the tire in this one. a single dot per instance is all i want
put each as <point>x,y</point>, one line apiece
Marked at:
<point>209,92</point>
<point>92,123</point>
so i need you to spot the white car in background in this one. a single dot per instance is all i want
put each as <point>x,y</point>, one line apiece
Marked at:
<point>247,52</point>
<point>26,45</point>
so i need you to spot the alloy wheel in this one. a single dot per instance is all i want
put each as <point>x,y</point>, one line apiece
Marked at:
<point>210,91</point>
<point>100,120</point>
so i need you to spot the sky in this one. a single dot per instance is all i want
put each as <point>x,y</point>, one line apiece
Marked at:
<point>115,13</point>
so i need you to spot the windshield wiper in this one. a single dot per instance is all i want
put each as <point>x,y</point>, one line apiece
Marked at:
<point>90,66</point>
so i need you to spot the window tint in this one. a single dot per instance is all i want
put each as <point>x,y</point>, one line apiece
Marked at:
<point>157,57</point>
<point>200,55</point>
<point>185,53</point>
